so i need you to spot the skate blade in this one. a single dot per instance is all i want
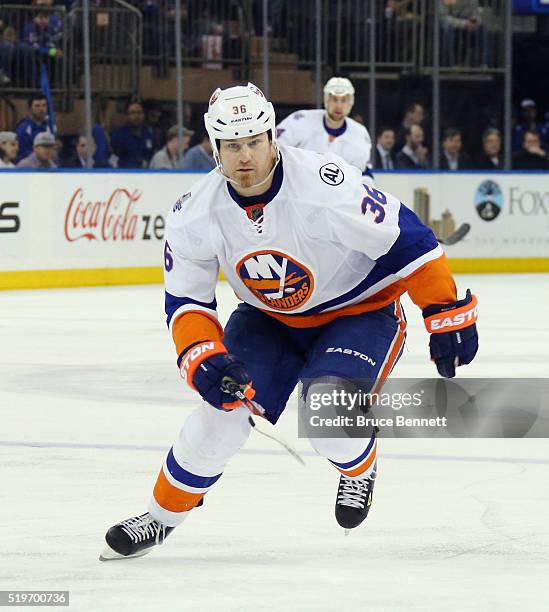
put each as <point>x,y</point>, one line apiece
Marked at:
<point>110,555</point>
<point>347,532</point>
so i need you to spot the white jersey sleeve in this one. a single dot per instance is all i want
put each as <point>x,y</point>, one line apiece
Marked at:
<point>367,143</point>
<point>369,224</point>
<point>379,225</point>
<point>191,266</point>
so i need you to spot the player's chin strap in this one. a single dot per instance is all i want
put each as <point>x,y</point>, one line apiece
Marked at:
<point>241,392</point>
<point>264,180</point>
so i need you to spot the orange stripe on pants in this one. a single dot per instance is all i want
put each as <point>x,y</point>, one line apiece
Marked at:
<point>401,336</point>
<point>173,499</point>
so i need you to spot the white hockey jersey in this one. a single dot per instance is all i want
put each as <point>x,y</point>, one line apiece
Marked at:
<point>307,129</point>
<point>329,245</point>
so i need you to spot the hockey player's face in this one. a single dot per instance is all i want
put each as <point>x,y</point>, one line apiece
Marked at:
<point>338,107</point>
<point>247,161</point>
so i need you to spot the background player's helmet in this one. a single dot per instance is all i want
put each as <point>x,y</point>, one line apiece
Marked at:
<point>238,112</point>
<point>339,86</point>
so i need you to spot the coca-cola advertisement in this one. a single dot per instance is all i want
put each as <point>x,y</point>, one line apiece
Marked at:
<point>112,218</point>
<point>107,227</point>
<point>117,219</point>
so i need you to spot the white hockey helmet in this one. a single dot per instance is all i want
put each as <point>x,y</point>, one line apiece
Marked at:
<point>238,112</point>
<point>339,86</point>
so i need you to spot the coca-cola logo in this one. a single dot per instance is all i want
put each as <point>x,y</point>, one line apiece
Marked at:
<point>111,219</point>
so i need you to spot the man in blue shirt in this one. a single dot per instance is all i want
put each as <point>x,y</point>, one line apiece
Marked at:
<point>528,123</point>
<point>34,124</point>
<point>133,142</point>
<point>200,156</point>
<point>41,41</point>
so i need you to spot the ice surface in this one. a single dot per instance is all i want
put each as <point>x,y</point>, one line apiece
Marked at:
<point>91,400</point>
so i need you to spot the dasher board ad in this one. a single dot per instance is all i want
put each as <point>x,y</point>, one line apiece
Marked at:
<point>508,212</point>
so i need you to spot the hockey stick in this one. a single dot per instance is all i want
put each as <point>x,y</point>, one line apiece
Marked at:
<point>458,235</point>
<point>235,390</point>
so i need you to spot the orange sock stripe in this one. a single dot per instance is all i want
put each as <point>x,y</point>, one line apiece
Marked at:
<point>173,499</point>
<point>362,468</point>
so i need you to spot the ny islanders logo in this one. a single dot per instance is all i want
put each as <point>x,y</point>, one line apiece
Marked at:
<point>276,279</point>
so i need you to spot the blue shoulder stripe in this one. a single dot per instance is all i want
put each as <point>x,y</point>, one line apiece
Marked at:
<point>414,240</point>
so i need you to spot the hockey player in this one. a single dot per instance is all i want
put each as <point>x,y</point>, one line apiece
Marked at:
<point>331,129</point>
<point>319,260</point>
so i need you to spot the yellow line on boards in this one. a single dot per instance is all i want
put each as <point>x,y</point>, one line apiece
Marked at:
<point>499,266</point>
<point>45,279</point>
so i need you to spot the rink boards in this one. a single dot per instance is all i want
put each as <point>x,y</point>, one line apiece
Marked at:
<point>60,229</point>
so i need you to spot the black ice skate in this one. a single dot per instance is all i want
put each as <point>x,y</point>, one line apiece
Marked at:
<point>134,537</point>
<point>354,498</point>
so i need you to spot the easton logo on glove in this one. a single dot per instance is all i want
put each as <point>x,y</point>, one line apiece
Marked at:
<point>454,338</point>
<point>452,318</point>
<point>195,356</point>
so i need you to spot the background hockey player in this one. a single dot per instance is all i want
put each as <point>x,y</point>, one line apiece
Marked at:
<point>331,129</point>
<point>318,259</point>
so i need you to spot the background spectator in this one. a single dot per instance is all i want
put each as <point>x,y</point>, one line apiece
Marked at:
<point>8,41</point>
<point>384,156</point>
<point>528,122</point>
<point>59,146</point>
<point>490,158</point>
<point>43,153</point>
<point>452,157</point>
<point>55,22</point>
<point>402,9</point>
<point>413,155</point>
<point>133,142</point>
<point>79,157</point>
<point>398,26</point>
<point>35,123</point>
<point>462,18</point>
<point>102,146</point>
<point>41,42</point>
<point>531,156</point>
<point>199,157</point>
<point>152,16</point>
<point>153,116</point>
<point>168,157</point>
<point>414,114</point>
<point>9,148</point>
